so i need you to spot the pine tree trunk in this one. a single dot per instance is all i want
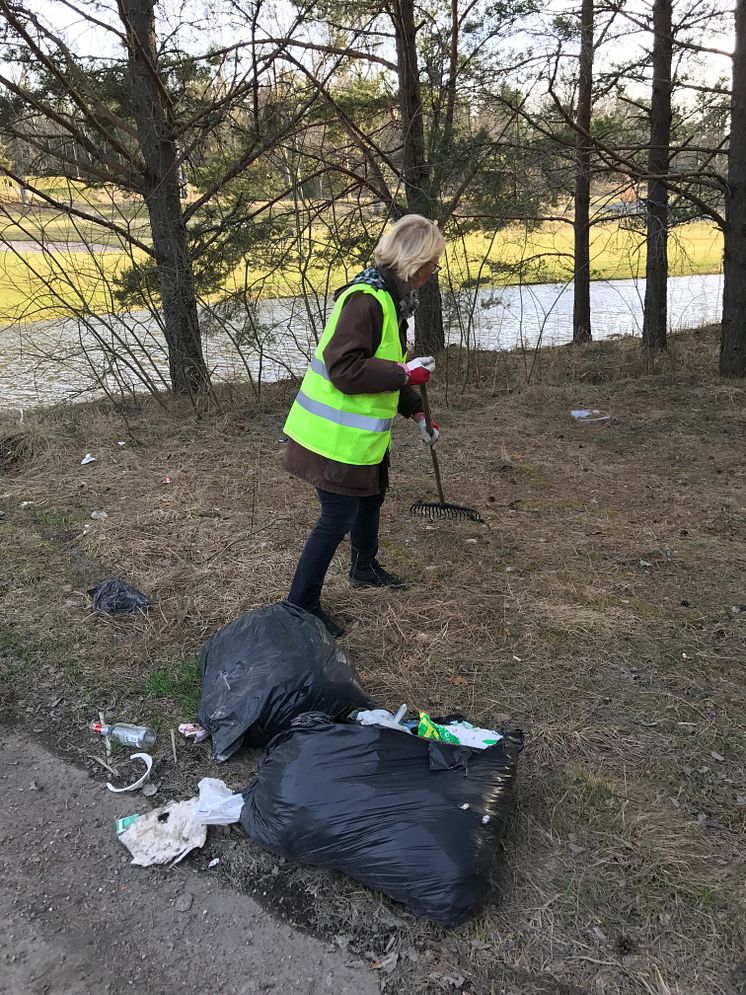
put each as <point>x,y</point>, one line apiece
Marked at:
<point>581,313</point>
<point>655,319</point>
<point>429,332</point>
<point>733,335</point>
<point>187,366</point>
<point>429,335</point>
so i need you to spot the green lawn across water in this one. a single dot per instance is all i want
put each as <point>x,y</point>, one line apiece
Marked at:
<point>38,285</point>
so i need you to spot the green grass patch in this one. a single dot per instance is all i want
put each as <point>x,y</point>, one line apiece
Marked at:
<point>52,518</point>
<point>178,682</point>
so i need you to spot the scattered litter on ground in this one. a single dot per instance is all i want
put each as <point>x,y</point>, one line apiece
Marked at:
<point>121,824</point>
<point>98,516</point>
<point>217,805</point>
<point>26,504</point>
<point>148,761</point>
<point>165,835</point>
<point>88,458</point>
<point>214,862</point>
<point>115,597</point>
<point>125,733</point>
<point>121,443</point>
<point>264,669</point>
<point>150,789</point>
<point>340,795</point>
<point>166,481</point>
<point>193,730</point>
<point>173,747</point>
<point>586,415</point>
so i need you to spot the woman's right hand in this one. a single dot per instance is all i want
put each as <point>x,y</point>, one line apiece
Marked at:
<point>418,370</point>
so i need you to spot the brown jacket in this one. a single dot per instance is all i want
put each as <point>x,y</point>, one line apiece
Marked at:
<point>350,361</point>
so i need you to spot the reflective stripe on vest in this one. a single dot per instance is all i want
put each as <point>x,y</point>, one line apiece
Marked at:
<point>347,428</point>
<point>348,418</point>
<point>319,366</point>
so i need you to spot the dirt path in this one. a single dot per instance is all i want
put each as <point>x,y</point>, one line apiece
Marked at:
<point>77,918</point>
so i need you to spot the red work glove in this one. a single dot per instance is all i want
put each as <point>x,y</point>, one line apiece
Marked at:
<point>427,438</point>
<point>418,370</point>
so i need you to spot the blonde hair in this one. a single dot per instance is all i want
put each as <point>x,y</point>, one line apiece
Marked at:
<point>410,243</point>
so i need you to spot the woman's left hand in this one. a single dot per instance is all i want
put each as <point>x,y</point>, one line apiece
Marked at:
<point>427,438</point>
<point>418,370</point>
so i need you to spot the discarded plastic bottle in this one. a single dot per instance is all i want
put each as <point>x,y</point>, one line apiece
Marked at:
<point>125,733</point>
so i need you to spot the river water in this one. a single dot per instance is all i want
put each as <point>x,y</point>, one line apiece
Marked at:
<point>48,362</point>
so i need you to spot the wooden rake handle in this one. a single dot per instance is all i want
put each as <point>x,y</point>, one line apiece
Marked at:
<point>429,424</point>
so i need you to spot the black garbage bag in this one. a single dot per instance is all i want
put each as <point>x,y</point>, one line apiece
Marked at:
<point>417,820</point>
<point>265,668</point>
<point>115,597</point>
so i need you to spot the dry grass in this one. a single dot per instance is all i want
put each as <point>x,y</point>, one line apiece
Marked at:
<point>601,609</point>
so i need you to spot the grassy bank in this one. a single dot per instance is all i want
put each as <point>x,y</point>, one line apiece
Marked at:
<point>35,285</point>
<point>602,609</point>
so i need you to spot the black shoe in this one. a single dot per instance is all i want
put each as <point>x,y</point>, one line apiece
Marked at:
<point>376,576</point>
<point>334,630</point>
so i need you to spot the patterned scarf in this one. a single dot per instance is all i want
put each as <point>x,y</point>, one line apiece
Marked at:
<point>373,278</point>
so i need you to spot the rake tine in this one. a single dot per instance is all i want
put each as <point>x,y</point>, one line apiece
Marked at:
<point>432,509</point>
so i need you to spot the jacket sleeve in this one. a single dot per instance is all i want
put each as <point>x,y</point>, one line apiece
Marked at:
<point>350,353</point>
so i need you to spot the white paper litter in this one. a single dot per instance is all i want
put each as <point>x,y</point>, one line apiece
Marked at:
<point>217,805</point>
<point>148,761</point>
<point>88,458</point>
<point>165,835</point>
<point>588,415</point>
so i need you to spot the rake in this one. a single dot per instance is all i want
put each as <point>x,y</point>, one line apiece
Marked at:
<point>439,509</point>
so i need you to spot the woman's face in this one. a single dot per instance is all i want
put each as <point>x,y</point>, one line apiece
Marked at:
<point>423,274</point>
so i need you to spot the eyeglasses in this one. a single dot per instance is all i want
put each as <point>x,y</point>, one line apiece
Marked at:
<point>436,268</point>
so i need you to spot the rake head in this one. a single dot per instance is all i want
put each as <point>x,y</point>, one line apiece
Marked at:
<point>434,509</point>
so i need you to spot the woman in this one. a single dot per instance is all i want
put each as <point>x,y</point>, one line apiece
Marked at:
<point>339,427</point>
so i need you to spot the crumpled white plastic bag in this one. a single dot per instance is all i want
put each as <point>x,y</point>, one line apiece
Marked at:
<point>165,835</point>
<point>217,805</point>
<point>383,718</point>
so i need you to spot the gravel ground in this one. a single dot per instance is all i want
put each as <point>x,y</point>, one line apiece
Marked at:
<point>77,918</point>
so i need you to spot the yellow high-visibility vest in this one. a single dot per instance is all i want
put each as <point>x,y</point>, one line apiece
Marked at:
<point>349,428</point>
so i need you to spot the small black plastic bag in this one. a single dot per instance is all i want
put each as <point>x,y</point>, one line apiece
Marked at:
<point>264,669</point>
<point>417,820</point>
<point>115,597</point>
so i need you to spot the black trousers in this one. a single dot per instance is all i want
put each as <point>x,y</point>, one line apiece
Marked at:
<point>340,514</point>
